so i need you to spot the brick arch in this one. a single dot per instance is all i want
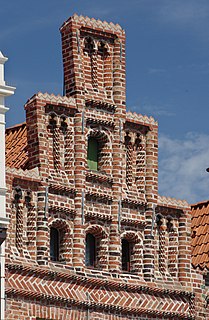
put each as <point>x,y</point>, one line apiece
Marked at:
<point>136,250</point>
<point>60,224</point>
<point>105,43</point>
<point>105,149</point>
<point>97,231</point>
<point>101,135</point>
<point>63,120</point>
<point>52,116</point>
<point>101,236</point>
<point>131,236</point>
<point>85,41</point>
<point>89,57</point>
<point>65,240</point>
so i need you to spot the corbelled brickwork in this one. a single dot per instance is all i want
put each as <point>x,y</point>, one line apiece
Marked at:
<point>137,264</point>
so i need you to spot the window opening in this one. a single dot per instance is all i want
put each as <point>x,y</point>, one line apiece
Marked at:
<point>125,255</point>
<point>206,278</point>
<point>90,258</point>
<point>92,154</point>
<point>54,244</point>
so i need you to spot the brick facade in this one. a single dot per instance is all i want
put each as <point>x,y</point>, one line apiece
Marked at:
<point>51,188</point>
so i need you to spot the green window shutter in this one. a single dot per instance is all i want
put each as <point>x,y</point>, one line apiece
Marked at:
<point>92,154</point>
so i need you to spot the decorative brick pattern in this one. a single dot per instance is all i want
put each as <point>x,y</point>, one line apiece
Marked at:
<point>56,189</point>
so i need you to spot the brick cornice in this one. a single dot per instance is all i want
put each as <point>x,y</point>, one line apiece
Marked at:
<point>61,188</point>
<point>99,177</point>
<point>99,195</point>
<point>100,216</point>
<point>101,105</point>
<point>136,222</point>
<point>64,210</point>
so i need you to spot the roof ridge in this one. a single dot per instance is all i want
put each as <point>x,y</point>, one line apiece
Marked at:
<point>199,203</point>
<point>15,126</point>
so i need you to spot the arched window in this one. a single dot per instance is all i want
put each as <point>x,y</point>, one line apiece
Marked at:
<point>54,244</point>
<point>90,258</point>
<point>92,154</point>
<point>126,255</point>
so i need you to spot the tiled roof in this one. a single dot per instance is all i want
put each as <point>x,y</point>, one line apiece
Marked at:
<point>16,146</point>
<point>200,235</point>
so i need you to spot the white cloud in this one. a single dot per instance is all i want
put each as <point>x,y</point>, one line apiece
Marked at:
<point>153,110</point>
<point>182,165</point>
<point>186,12</point>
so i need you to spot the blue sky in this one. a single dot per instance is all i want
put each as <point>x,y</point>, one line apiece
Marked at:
<point>167,72</point>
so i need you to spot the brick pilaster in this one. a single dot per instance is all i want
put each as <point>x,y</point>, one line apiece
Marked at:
<point>151,192</point>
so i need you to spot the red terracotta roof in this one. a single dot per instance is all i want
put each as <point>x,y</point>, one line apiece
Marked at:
<point>16,146</point>
<point>200,234</point>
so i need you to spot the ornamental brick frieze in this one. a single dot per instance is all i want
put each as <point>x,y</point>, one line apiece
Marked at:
<point>67,210</point>
<point>93,115</point>
<point>60,111</point>
<point>51,99</point>
<point>99,177</point>
<point>135,128</point>
<point>98,195</point>
<point>133,222</point>
<point>93,121</point>
<point>98,216</point>
<point>97,34</point>
<point>139,119</point>
<point>66,289</point>
<point>64,190</point>
<point>101,106</point>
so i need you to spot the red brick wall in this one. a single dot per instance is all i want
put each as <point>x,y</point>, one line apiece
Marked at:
<point>119,201</point>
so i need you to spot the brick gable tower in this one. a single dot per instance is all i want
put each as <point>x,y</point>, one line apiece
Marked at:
<point>90,238</point>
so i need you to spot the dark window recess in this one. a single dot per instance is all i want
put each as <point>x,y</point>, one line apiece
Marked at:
<point>125,255</point>
<point>206,278</point>
<point>54,244</point>
<point>90,258</point>
<point>92,154</point>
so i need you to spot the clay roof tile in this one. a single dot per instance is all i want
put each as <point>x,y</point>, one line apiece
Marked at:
<point>16,146</point>
<point>200,234</point>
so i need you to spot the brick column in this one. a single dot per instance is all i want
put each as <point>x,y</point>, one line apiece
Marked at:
<point>80,166</point>
<point>185,250</point>
<point>151,193</point>
<point>119,99</point>
<point>42,234</point>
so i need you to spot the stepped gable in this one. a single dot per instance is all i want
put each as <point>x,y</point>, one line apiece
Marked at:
<point>172,202</point>
<point>140,119</point>
<point>16,146</point>
<point>94,24</point>
<point>53,99</point>
<point>200,236</point>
